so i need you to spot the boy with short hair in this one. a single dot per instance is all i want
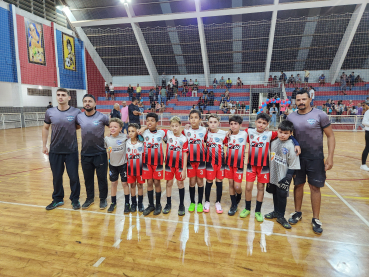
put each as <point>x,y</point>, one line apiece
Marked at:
<point>283,163</point>
<point>116,146</point>
<point>196,159</point>
<point>176,163</point>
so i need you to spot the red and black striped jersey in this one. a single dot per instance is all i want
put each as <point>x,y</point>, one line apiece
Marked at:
<point>176,146</point>
<point>153,142</point>
<point>134,154</point>
<point>236,149</point>
<point>259,146</point>
<point>215,146</point>
<point>196,148</point>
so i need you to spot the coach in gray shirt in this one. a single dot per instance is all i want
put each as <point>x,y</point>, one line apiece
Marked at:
<point>93,153</point>
<point>63,148</point>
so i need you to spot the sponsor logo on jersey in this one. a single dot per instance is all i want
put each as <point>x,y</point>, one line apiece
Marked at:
<point>257,144</point>
<point>128,149</point>
<point>201,135</point>
<point>240,140</point>
<point>284,150</point>
<point>251,136</point>
<point>180,143</point>
<point>194,141</point>
<point>217,139</point>
<point>311,121</point>
<point>174,148</point>
<point>170,140</point>
<point>147,138</point>
<point>188,134</point>
<point>264,137</point>
<point>158,139</point>
<point>96,122</point>
<point>70,118</point>
<point>139,149</point>
<point>119,142</point>
<point>272,156</point>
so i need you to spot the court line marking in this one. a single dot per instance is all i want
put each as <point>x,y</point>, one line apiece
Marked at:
<point>117,243</point>
<point>12,151</point>
<point>198,224</point>
<point>99,262</point>
<point>348,205</point>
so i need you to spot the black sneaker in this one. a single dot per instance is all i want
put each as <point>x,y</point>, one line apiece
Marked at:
<point>271,215</point>
<point>87,203</point>
<point>76,205</point>
<point>112,207</point>
<point>141,207</point>
<point>232,211</point>
<point>133,207</point>
<point>54,205</point>
<point>158,209</point>
<point>317,226</point>
<point>127,208</point>
<point>103,204</point>
<point>283,222</point>
<point>148,210</point>
<point>181,210</point>
<point>167,209</point>
<point>295,217</point>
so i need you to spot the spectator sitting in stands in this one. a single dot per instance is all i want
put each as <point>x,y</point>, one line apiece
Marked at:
<point>324,108</point>
<point>206,100</point>
<point>350,104</point>
<point>243,108</point>
<point>367,101</point>
<point>163,80</point>
<point>226,94</point>
<point>351,80</point>
<point>228,101</point>
<point>293,97</point>
<point>307,75</point>
<point>169,92</point>
<point>196,84</point>
<point>153,106</point>
<point>321,80</point>
<point>270,79</point>
<point>184,91</point>
<point>282,78</point>
<point>275,81</point>
<point>229,83</point>
<point>360,108</point>
<point>193,107</point>
<point>353,110</point>
<point>162,108</point>
<point>141,107</point>
<point>201,103</point>
<point>205,91</point>
<point>189,93</point>
<point>232,110</point>
<point>222,82</point>
<point>194,92</point>
<point>190,83</point>
<point>239,82</point>
<point>157,94</point>
<point>184,82</point>
<point>215,83</point>
<point>358,79</point>
<point>211,98</point>
<point>238,107</point>
<point>158,106</point>
<point>224,107</point>
<point>291,80</point>
<point>289,110</point>
<point>298,79</point>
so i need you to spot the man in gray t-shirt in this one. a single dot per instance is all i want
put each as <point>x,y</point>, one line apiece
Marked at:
<point>93,154</point>
<point>309,125</point>
<point>63,148</point>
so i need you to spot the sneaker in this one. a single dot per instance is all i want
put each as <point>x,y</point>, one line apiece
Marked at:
<point>54,205</point>
<point>244,213</point>
<point>76,205</point>
<point>271,215</point>
<point>207,207</point>
<point>87,203</point>
<point>218,208</point>
<point>199,208</point>
<point>148,210</point>
<point>191,208</point>
<point>181,210</point>
<point>317,226</point>
<point>167,209</point>
<point>283,222</point>
<point>295,217</point>
<point>259,217</point>
<point>157,209</point>
<point>112,207</point>
<point>232,211</point>
<point>141,207</point>
<point>133,207</point>
<point>103,204</point>
<point>127,208</point>
<point>364,167</point>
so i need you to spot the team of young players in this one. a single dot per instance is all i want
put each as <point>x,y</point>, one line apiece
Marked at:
<point>199,152</point>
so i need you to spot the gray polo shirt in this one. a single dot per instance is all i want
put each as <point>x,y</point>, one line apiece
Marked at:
<point>116,146</point>
<point>63,130</point>
<point>309,132</point>
<point>92,131</point>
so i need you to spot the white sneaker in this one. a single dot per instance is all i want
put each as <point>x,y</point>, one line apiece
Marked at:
<point>218,208</point>
<point>364,167</point>
<point>207,207</point>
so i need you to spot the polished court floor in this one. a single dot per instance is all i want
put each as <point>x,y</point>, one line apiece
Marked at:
<point>64,242</point>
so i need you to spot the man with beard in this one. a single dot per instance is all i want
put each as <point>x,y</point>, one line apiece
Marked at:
<point>309,125</point>
<point>93,153</point>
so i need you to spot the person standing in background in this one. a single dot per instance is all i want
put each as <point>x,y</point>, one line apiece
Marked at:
<point>274,111</point>
<point>364,156</point>
<point>138,91</point>
<point>111,89</point>
<point>130,92</point>
<point>115,113</point>
<point>50,105</point>
<point>107,90</point>
<point>124,116</point>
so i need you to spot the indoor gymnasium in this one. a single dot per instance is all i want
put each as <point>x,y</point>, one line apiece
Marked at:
<point>184,137</point>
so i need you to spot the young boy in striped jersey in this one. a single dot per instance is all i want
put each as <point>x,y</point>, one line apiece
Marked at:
<point>215,140</point>
<point>196,159</point>
<point>176,163</point>
<point>134,150</point>
<point>116,146</point>
<point>153,161</point>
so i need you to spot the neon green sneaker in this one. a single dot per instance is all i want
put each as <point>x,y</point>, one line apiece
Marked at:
<point>191,208</point>
<point>199,208</point>
<point>259,217</point>
<point>244,213</point>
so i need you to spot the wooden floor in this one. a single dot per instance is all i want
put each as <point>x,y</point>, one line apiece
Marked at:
<point>63,242</point>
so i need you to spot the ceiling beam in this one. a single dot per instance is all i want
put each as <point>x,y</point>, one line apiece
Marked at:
<point>221,12</point>
<point>271,42</point>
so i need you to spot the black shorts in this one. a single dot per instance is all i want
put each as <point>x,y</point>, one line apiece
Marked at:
<point>114,172</point>
<point>314,170</point>
<point>111,92</point>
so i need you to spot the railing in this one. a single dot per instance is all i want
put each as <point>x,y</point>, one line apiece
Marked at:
<point>32,119</point>
<point>10,120</point>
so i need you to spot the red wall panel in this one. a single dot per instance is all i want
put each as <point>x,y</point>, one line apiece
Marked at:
<point>95,81</point>
<point>34,74</point>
